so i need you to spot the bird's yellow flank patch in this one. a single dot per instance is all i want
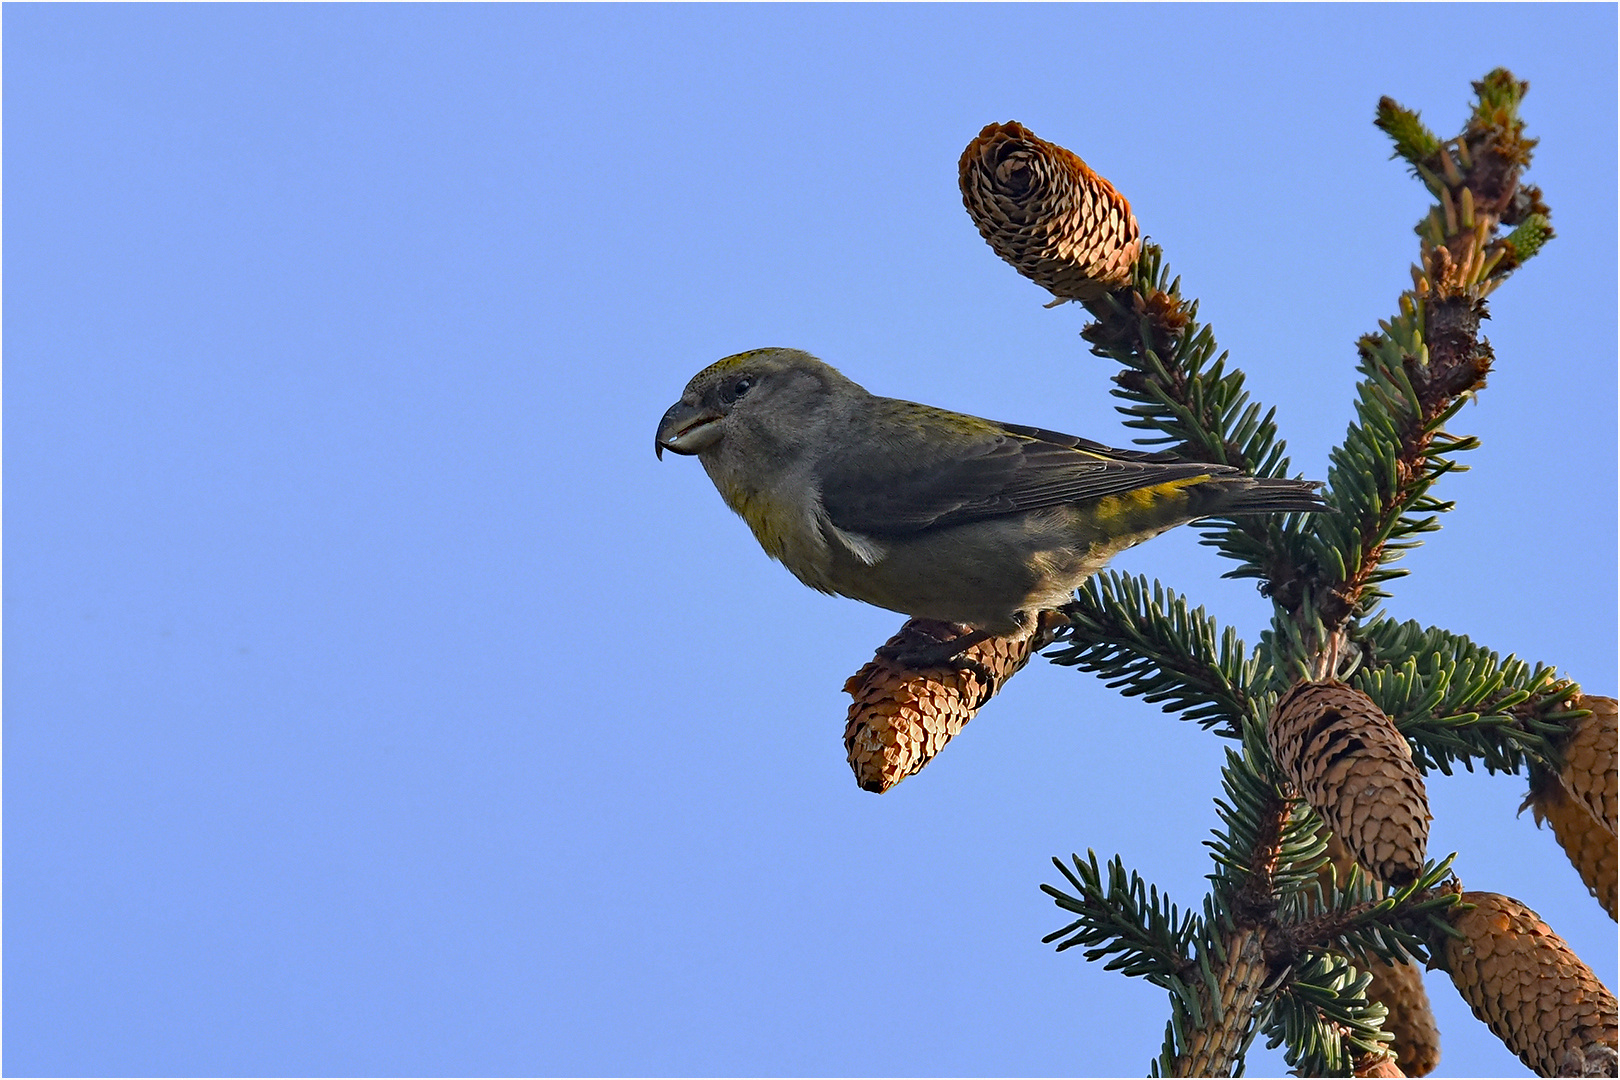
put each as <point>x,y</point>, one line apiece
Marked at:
<point>1143,501</point>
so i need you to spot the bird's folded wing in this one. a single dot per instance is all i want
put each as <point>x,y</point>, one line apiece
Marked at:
<point>923,480</point>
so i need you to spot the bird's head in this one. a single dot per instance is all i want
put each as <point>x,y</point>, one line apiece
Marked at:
<point>763,390</point>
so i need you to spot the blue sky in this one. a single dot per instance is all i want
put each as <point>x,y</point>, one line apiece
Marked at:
<point>376,703</point>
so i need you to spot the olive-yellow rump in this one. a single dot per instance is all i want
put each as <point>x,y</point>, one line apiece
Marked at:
<point>931,513</point>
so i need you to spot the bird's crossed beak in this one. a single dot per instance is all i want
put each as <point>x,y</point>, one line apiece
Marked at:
<point>687,428</point>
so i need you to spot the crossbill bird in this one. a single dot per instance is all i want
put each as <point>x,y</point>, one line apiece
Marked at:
<point>931,513</point>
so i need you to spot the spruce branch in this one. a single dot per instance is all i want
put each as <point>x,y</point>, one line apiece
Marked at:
<point>1230,993</point>
<point>1456,701</point>
<point>1146,642</point>
<point>1413,139</point>
<point>1214,965</point>
<point>1261,844</point>
<point>1364,920</point>
<point>1146,935</point>
<point>1398,986</point>
<point>1268,846</point>
<point>1172,380</point>
<point>1324,1019</point>
<point>1281,943</point>
<point>1124,917</point>
<point>1379,477</point>
<point>1176,386</point>
<point>1427,360</point>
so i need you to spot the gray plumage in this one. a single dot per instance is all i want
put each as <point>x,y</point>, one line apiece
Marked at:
<point>928,512</point>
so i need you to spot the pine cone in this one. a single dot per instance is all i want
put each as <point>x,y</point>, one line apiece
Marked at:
<point>1042,209</point>
<point>1579,802</point>
<point>1399,987</point>
<point>901,717</point>
<point>1411,1018</point>
<point>1536,995</point>
<point>1377,1065</point>
<point>1355,769</point>
<point>1590,769</point>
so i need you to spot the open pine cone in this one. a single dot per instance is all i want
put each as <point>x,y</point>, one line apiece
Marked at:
<point>1043,210</point>
<point>1355,769</point>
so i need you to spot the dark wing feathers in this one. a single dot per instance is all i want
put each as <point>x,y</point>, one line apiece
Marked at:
<point>1059,439</point>
<point>987,474</point>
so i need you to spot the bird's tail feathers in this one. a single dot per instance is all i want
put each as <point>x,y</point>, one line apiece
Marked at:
<point>1267,495</point>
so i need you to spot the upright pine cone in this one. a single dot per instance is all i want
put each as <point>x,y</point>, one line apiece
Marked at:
<point>1522,980</point>
<point>1354,768</point>
<point>1042,209</point>
<point>901,717</point>
<point>1579,802</point>
<point>1399,987</point>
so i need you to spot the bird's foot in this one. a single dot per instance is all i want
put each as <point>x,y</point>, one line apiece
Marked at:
<point>923,649</point>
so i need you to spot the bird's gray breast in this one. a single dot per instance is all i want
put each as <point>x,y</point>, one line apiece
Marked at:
<point>781,502</point>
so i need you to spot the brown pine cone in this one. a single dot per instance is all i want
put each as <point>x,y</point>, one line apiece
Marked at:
<point>1536,995</point>
<point>901,717</point>
<point>1042,209</point>
<point>1411,1018</point>
<point>1579,802</point>
<point>1355,769</point>
<point>1377,1065</point>
<point>1590,847</point>
<point>1399,987</point>
<point>1590,766</point>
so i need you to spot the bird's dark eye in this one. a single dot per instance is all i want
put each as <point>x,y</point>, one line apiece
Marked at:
<point>738,388</point>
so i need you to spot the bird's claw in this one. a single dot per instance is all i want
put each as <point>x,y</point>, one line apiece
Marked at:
<point>945,653</point>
